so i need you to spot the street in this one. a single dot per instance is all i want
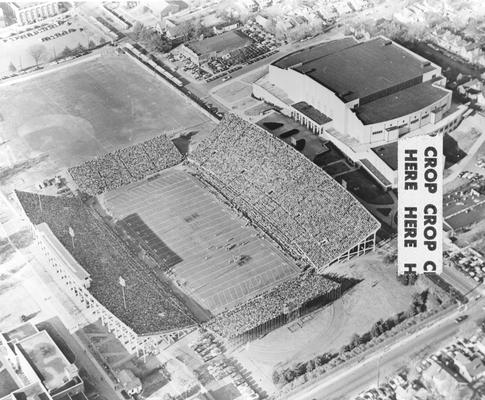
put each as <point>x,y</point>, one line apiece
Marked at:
<point>350,382</point>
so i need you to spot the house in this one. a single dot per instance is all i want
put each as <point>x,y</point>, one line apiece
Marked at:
<point>441,380</point>
<point>469,369</point>
<point>131,383</point>
<point>225,27</point>
<point>481,345</point>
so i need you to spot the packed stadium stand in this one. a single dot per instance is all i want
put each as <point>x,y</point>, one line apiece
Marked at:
<point>152,310</point>
<point>125,166</point>
<point>274,307</point>
<point>241,204</point>
<point>284,193</point>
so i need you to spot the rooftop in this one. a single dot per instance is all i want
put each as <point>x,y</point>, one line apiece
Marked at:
<point>311,112</point>
<point>401,103</point>
<point>388,154</point>
<point>375,172</point>
<point>28,4</point>
<point>314,52</point>
<point>46,358</point>
<point>227,41</point>
<point>20,332</point>
<point>7,382</point>
<point>34,391</point>
<point>355,70</point>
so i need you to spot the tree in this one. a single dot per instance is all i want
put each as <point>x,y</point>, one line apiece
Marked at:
<point>355,340</point>
<point>137,29</point>
<point>102,40</point>
<point>12,68</point>
<point>91,44</point>
<point>376,329</point>
<point>38,52</point>
<point>276,377</point>
<point>66,52</point>
<point>79,49</point>
<point>310,366</point>
<point>289,375</point>
<point>299,369</point>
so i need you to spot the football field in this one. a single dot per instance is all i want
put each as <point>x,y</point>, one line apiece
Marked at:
<point>208,250</point>
<point>75,113</point>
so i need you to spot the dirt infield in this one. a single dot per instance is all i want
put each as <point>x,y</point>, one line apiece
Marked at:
<point>76,113</point>
<point>213,256</point>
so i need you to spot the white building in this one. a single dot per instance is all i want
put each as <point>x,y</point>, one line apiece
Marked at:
<point>31,12</point>
<point>361,95</point>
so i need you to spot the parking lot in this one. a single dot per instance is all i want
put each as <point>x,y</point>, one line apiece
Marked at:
<point>54,35</point>
<point>469,262</point>
<point>265,45</point>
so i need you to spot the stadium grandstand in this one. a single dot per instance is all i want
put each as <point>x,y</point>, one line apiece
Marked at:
<point>361,95</point>
<point>125,166</point>
<point>284,193</point>
<point>89,259</point>
<point>226,240</point>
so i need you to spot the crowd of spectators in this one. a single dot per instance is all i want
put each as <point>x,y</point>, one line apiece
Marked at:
<point>282,191</point>
<point>125,166</point>
<point>281,299</point>
<point>151,306</point>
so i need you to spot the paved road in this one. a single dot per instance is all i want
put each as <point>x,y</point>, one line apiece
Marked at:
<point>350,382</point>
<point>462,282</point>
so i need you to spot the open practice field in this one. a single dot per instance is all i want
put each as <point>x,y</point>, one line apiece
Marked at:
<point>213,255</point>
<point>379,295</point>
<point>75,113</point>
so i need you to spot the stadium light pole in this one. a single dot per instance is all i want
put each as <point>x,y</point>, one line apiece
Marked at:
<point>123,284</point>
<point>71,233</point>
<point>40,202</point>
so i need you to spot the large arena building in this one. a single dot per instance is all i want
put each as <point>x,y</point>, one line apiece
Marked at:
<point>235,238</point>
<point>361,95</point>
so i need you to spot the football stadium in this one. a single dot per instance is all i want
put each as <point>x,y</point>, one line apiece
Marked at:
<point>235,238</point>
<point>361,96</point>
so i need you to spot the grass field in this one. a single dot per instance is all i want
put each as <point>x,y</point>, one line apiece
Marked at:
<point>75,113</point>
<point>379,295</point>
<point>214,257</point>
<point>232,92</point>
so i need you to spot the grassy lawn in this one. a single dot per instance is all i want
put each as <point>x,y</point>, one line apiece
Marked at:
<point>379,295</point>
<point>85,110</point>
<point>233,92</point>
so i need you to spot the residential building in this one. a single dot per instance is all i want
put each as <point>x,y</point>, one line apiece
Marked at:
<point>31,12</point>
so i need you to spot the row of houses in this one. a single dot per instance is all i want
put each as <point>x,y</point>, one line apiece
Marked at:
<point>466,47</point>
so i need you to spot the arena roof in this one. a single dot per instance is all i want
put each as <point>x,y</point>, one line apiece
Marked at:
<point>354,71</point>
<point>314,52</point>
<point>401,103</point>
<point>152,306</point>
<point>225,42</point>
